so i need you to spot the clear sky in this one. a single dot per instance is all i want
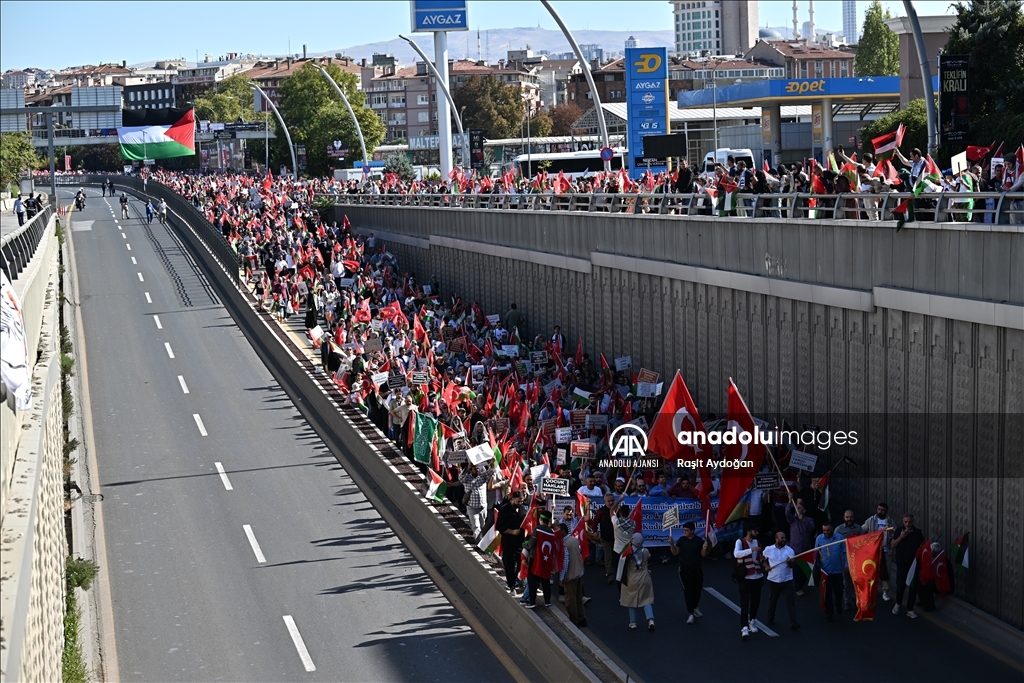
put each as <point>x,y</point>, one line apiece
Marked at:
<point>59,34</point>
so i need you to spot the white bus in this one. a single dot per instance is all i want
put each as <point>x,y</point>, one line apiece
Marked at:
<point>572,164</point>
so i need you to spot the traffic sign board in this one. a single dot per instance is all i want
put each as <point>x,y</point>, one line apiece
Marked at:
<point>366,170</point>
<point>607,154</point>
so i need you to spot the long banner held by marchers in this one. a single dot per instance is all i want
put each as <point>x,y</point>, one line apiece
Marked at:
<point>654,509</point>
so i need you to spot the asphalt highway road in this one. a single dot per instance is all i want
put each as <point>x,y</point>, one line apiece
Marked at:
<point>238,549</point>
<point>890,648</point>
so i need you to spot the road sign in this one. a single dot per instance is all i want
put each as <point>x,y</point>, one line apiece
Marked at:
<point>607,154</point>
<point>366,170</point>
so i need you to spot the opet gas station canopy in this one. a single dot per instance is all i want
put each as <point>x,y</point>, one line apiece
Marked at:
<point>828,97</point>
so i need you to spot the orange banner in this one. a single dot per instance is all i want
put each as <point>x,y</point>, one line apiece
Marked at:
<point>864,554</point>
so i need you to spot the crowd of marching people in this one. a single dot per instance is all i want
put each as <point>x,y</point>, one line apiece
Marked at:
<point>489,413</point>
<point>733,189</point>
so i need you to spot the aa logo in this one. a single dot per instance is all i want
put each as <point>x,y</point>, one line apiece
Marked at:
<point>628,441</point>
<point>648,63</point>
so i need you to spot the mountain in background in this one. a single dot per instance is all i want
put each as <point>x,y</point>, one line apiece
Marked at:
<point>495,43</point>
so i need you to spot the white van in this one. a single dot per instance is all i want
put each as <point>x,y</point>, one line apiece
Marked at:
<point>722,155</point>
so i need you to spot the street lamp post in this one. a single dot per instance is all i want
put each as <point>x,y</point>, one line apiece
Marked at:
<point>586,72</point>
<point>341,94</point>
<point>445,90</point>
<point>280,119</point>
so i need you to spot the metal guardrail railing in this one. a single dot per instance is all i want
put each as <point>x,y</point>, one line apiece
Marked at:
<point>18,247</point>
<point>991,207</point>
<point>213,239</point>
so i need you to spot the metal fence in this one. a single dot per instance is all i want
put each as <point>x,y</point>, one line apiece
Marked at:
<point>214,240</point>
<point>18,247</point>
<point>977,207</point>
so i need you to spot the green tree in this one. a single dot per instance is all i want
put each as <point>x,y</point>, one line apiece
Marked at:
<point>17,155</point>
<point>992,33</point>
<point>914,117</point>
<point>494,107</point>
<point>399,164</point>
<point>316,116</point>
<point>541,124</point>
<point>563,116</point>
<point>878,53</point>
<point>228,101</point>
<point>96,157</point>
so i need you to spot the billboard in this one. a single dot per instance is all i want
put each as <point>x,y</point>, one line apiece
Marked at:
<point>431,16</point>
<point>954,118</point>
<point>646,105</point>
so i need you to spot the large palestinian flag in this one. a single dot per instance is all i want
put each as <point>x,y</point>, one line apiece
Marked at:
<point>157,133</point>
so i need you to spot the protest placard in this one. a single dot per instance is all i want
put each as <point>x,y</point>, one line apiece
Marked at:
<point>379,378</point>
<point>555,487</point>
<point>560,456</point>
<point>510,350</point>
<point>766,480</point>
<point>420,378</point>
<point>550,387</point>
<point>346,282</point>
<point>377,324</point>
<point>670,518</point>
<point>582,449</point>
<point>647,376</point>
<point>594,421</point>
<point>563,434</point>
<point>494,319</point>
<point>396,381</point>
<point>457,345</point>
<point>648,389</point>
<point>480,454</point>
<point>803,461</point>
<point>539,357</point>
<point>452,458</point>
<point>624,363</point>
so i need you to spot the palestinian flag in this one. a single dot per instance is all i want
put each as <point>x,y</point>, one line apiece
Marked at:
<point>491,542</point>
<point>886,145</point>
<point>959,551</point>
<point>437,487</point>
<point>823,487</point>
<point>730,188</point>
<point>157,133</point>
<point>806,568</point>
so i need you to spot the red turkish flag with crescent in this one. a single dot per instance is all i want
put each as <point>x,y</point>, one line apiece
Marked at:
<point>864,553</point>
<point>736,480</point>
<point>679,413</point>
<point>547,554</point>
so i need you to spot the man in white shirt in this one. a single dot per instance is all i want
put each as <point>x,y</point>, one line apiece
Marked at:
<point>877,522</point>
<point>780,579</point>
<point>748,556</point>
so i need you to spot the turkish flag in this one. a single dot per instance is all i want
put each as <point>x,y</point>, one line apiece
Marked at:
<point>363,312</point>
<point>580,532</point>
<point>942,569</point>
<point>579,352</point>
<point>678,413</point>
<point>418,333</point>
<point>736,480</point>
<point>864,553</point>
<point>391,311</point>
<point>547,553</point>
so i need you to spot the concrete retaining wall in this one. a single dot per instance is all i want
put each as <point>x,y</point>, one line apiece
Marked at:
<point>823,333</point>
<point>32,538</point>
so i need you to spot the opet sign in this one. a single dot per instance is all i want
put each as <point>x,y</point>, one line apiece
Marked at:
<point>804,87</point>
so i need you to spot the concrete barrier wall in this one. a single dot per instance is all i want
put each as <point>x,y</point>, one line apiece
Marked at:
<point>807,351</point>
<point>32,534</point>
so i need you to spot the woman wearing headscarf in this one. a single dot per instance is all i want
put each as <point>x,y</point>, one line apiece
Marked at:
<point>637,588</point>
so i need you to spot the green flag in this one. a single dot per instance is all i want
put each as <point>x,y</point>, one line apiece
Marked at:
<point>424,439</point>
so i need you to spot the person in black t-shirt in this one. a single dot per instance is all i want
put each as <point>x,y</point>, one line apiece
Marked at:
<point>691,550</point>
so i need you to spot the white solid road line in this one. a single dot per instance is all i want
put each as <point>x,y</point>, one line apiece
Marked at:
<point>199,423</point>
<point>184,387</point>
<point>223,476</point>
<point>736,608</point>
<point>141,279</point>
<point>156,319</point>
<point>149,299</point>
<point>134,262</point>
<point>255,546</point>
<point>170,354</point>
<point>293,631</point>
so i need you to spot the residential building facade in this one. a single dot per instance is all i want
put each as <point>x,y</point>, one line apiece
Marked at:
<point>804,60</point>
<point>714,27</point>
